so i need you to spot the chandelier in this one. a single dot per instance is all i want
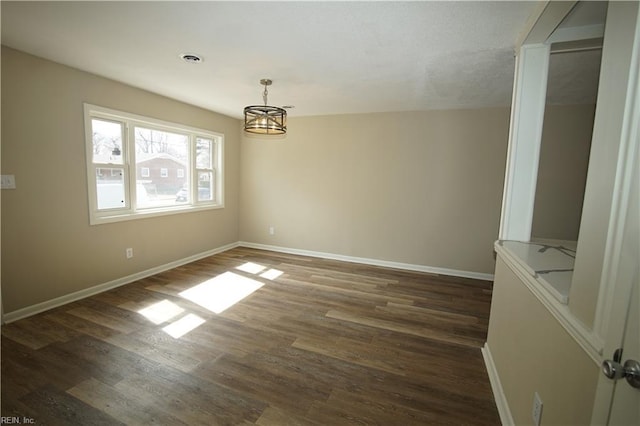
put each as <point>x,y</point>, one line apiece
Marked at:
<point>265,119</point>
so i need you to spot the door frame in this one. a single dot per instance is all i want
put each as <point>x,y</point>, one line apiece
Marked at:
<point>615,310</point>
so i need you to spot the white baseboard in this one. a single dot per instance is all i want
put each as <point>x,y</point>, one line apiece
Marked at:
<point>498,393</point>
<point>72,297</point>
<point>374,262</point>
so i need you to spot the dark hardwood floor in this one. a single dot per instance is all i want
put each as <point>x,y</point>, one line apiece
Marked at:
<point>319,342</point>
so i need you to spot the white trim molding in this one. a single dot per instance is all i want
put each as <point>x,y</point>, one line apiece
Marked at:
<point>72,297</point>
<point>122,204</point>
<point>623,186</point>
<point>373,262</point>
<point>543,21</point>
<point>525,135</point>
<point>496,386</point>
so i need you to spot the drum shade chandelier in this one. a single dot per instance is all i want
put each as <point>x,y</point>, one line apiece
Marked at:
<point>265,119</point>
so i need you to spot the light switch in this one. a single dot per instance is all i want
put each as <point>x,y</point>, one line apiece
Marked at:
<point>8,182</point>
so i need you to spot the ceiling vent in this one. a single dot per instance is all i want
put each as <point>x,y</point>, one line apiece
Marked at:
<point>191,58</point>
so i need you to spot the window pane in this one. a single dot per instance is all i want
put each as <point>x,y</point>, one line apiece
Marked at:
<point>203,153</point>
<point>183,196</point>
<point>141,167</point>
<point>159,155</point>
<point>107,141</point>
<point>110,188</point>
<point>205,186</point>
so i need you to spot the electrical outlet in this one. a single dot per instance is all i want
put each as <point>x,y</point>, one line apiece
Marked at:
<point>272,230</point>
<point>129,253</point>
<point>536,412</point>
<point>8,182</point>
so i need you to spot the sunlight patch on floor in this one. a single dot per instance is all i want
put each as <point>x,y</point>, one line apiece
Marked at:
<point>255,268</point>
<point>271,274</point>
<point>161,311</point>
<point>221,292</point>
<point>216,294</point>
<point>250,267</point>
<point>184,325</point>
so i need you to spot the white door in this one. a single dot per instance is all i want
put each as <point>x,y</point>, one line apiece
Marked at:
<point>625,404</point>
<point>617,400</point>
<point>625,407</point>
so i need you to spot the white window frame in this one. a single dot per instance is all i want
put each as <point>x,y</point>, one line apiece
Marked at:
<point>129,122</point>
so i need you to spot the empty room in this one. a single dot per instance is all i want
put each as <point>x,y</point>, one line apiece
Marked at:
<point>320,213</point>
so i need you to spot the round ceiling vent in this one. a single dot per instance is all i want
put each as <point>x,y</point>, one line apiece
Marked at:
<point>191,58</point>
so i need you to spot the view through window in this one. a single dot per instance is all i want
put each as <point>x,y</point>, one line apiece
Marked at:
<point>140,166</point>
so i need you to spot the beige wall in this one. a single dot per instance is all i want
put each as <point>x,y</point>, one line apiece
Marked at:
<point>532,352</point>
<point>48,247</point>
<point>422,188</point>
<point>562,171</point>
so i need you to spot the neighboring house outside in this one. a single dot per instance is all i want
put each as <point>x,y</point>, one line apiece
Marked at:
<point>161,173</point>
<point>109,174</point>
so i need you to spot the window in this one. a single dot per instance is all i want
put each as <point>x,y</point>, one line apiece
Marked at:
<point>139,167</point>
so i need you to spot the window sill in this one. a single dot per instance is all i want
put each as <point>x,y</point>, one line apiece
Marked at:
<point>527,262</point>
<point>148,213</point>
<point>549,262</point>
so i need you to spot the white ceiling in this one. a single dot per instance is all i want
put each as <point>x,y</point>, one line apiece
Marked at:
<point>324,57</point>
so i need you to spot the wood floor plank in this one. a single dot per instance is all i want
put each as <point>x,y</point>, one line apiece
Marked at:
<point>356,408</point>
<point>405,328</point>
<point>343,350</point>
<point>245,378</point>
<point>100,318</point>
<point>162,354</point>
<point>55,407</point>
<point>81,325</point>
<point>31,369</point>
<point>427,315</point>
<point>120,406</point>
<point>322,342</point>
<point>201,400</point>
<point>169,399</point>
<point>104,361</point>
<point>37,333</point>
<point>273,416</point>
<point>350,294</point>
<point>18,380</point>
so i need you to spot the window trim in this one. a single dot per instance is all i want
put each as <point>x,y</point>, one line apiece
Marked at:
<point>129,121</point>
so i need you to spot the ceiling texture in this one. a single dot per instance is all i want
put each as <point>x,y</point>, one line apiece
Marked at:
<point>323,57</point>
